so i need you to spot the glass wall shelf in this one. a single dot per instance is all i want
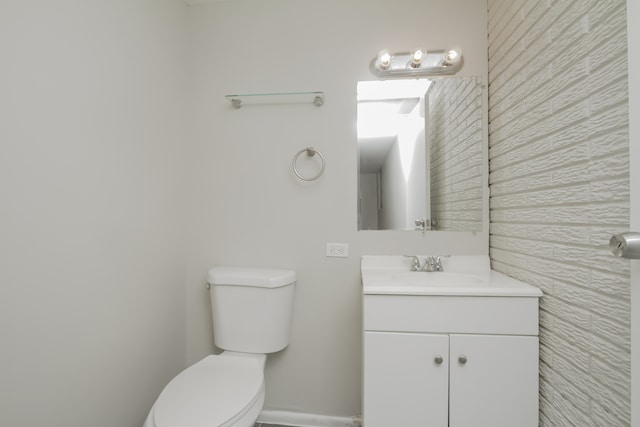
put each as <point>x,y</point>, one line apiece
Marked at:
<point>315,98</point>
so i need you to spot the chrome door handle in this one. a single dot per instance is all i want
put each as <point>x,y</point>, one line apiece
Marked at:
<point>625,245</point>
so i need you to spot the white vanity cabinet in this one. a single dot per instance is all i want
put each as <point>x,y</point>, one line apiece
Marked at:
<point>458,361</point>
<point>493,380</point>
<point>403,384</point>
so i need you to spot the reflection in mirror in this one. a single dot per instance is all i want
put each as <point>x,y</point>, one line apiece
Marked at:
<point>420,145</point>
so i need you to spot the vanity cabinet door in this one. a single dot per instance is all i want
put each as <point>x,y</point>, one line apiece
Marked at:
<point>493,381</point>
<point>405,379</point>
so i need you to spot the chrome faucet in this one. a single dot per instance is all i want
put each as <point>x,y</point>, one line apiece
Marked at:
<point>432,263</point>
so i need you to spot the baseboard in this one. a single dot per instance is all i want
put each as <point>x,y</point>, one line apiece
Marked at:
<point>299,419</point>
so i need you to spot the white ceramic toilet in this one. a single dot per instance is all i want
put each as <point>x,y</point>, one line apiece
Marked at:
<point>252,310</point>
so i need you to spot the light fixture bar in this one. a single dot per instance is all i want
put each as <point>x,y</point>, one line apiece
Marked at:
<point>417,63</point>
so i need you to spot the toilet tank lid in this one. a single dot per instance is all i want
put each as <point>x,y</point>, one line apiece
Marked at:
<point>249,276</point>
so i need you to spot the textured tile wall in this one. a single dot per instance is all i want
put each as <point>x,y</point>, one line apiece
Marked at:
<point>559,181</point>
<point>455,133</point>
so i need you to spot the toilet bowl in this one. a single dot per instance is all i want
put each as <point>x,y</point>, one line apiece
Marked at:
<point>224,390</point>
<point>252,316</point>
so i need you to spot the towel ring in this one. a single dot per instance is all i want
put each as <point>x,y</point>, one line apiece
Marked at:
<point>310,152</point>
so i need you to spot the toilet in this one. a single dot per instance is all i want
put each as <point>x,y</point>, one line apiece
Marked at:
<point>252,310</point>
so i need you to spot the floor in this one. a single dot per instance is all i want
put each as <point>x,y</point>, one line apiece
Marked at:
<point>268,425</point>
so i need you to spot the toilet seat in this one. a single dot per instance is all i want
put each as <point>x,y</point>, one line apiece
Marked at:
<point>217,391</point>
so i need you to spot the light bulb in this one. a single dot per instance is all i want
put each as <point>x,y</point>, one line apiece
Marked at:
<point>384,59</point>
<point>450,57</point>
<point>416,58</point>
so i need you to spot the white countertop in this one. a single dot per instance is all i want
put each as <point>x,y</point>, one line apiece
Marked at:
<point>463,275</point>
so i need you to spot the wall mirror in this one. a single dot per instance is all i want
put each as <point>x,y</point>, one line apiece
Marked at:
<point>420,153</point>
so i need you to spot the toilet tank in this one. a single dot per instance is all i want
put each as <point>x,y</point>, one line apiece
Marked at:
<point>251,308</point>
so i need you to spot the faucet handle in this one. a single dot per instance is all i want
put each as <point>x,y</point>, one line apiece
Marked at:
<point>415,262</point>
<point>429,264</point>
<point>433,263</point>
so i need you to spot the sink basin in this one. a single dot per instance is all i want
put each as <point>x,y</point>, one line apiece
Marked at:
<point>431,279</point>
<point>468,275</point>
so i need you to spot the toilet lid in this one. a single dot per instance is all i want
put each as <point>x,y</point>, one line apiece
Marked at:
<point>210,393</point>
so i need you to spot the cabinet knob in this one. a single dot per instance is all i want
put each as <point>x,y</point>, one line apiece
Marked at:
<point>438,360</point>
<point>462,359</point>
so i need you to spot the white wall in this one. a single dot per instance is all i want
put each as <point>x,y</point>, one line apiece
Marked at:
<point>559,156</point>
<point>91,248</point>
<point>247,208</point>
<point>394,190</point>
<point>369,201</point>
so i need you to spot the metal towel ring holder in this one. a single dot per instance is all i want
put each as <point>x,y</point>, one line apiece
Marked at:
<point>310,152</point>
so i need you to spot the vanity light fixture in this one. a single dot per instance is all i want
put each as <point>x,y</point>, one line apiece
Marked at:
<point>417,63</point>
